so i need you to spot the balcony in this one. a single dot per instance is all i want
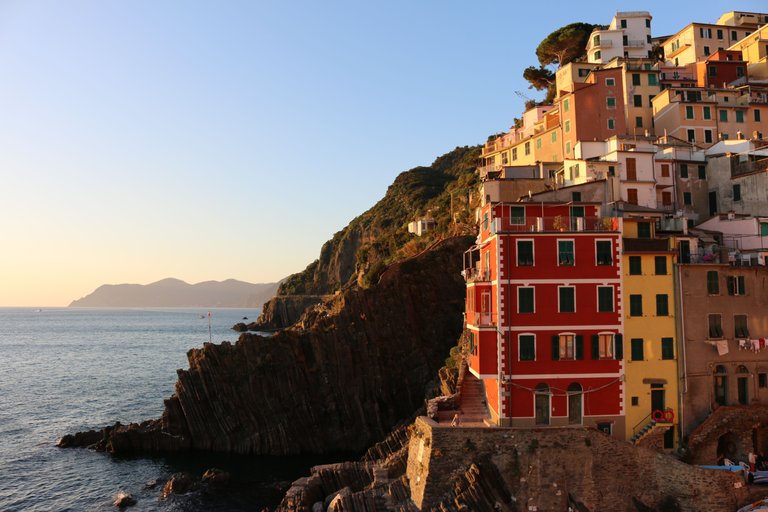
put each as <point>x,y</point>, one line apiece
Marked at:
<point>476,275</point>
<point>646,244</point>
<point>748,167</point>
<point>485,170</point>
<point>601,43</point>
<point>635,43</point>
<point>556,223</point>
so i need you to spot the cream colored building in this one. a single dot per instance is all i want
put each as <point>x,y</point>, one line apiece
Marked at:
<point>628,35</point>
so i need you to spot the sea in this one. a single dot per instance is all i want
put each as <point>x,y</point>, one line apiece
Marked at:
<point>65,370</point>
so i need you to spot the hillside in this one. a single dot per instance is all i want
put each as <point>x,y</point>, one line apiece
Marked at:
<point>176,293</point>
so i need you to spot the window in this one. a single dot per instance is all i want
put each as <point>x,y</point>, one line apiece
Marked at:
<point>568,147</point>
<point>706,50</point>
<point>605,427</point>
<point>737,285</point>
<point>667,348</point>
<point>514,153</point>
<point>764,229</point>
<point>635,78</point>
<point>705,32</point>
<point>648,23</point>
<point>666,198</point>
<point>567,125</point>
<point>596,40</point>
<point>605,299</point>
<point>719,33</point>
<point>566,299</point>
<point>702,172</point>
<point>734,35</point>
<point>691,135</point>
<point>625,40</point>
<point>683,170</point>
<point>635,305</point>
<point>623,23</point>
<point>638,121</point>
<point>715,327</point>
<point>566,104</point>
<point>687,198</point>
<point>610,101</point>
<point>485,221</point>
<point>602,346</point>
<point>525,253</point>
<point>635,401</point>
<point>739,71</point>
<point>688,112</point>
<point>737,192</point>
<point>708,136</point>
<point>740,329</point>
<point>565,255</point>
<point>576,196</point>
<point>631,169</point>
<point>707,112</point>
<point>554,136</point>
<point>652,79</point>
<point>643,230</point>
<point>724,116</point>
<point>538,143</point>
<point>757,115</point>
<point>610,82</point>
<point>637,349</point>
<point>527,148</point>
<point>638,100</point>
<point>603,250</point>
<point>660,264</point>
<point>517,215</point>
<point>739,116</point>
<point>611,124</point>
<point>526,300</point>
<point>527,347</point>
<point>713,283</point>
<point>635,266</point>
<point>712,71</point>
<point>598,55</point>
<point>632,195</point>
<point>567,346</point>
<point>721,385</point>
<point>662,304</point>
<point>665,170</point>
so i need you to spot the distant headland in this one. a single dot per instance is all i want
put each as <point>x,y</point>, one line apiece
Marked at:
<point>176,293</point>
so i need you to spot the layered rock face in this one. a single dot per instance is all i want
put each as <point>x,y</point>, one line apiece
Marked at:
<point>361,366</point>
<point>284,311</point>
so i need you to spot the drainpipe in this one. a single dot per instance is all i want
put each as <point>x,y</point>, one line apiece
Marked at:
<point>681,338</point>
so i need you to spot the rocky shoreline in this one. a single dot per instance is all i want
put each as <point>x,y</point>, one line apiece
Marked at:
<point>351,369</point>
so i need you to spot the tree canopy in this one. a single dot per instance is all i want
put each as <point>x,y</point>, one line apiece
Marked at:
<point>565,44</point>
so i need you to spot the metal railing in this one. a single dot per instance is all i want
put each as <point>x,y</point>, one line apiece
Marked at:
<point>748,167</point>
<point>556,223</point>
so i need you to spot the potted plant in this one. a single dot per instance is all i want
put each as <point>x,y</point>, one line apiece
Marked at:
<point>558,223</point>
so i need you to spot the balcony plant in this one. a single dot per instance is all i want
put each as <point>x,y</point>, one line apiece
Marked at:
<point>558,223</point>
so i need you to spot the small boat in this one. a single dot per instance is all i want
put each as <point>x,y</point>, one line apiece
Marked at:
<point>245,318</point>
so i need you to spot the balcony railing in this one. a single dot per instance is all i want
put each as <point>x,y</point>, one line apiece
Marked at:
<point>556,223</point>
<point>635,43</point>
<point>485,169</point>
<point>740,168</point>
<point>602,43</point>
<point>474,275</point>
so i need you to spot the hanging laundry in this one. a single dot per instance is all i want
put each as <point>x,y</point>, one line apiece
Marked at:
<point>743,344</point>
<point>722,347</point>
<point>762,343</point>
<point>755,345</point>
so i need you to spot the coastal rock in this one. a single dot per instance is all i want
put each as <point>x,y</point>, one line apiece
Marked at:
<point>216,477</point>
<point>179,483</point>
<point>124,499</point>
<point>361,365</point>
<point>283,311</point>
<point>81,439</point>
<point>240,327</point>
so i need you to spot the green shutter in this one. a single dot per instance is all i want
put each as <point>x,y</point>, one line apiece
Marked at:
<point>595,346</point>
<point>742,286</point>
<point>730,285</point>
<point>555,347</point>
<point>618,340</point>
<point>579,346</point>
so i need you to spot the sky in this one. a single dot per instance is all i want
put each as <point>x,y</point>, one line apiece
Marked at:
<point>147,139</point>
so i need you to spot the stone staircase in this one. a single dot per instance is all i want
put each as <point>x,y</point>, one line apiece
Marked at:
<point>473,405</point>
<point>647,429</point>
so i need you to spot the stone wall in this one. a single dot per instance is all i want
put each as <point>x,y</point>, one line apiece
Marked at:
<point>550,469</point>
<point>742,430</point>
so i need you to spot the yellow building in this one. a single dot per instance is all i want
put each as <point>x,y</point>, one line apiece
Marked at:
<point>650,353</point>
<point>754,50</point>
<point>699,40</point>
<point>641,85</point>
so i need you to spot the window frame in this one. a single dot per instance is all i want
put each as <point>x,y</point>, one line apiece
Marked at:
<point>637,347</point>
<point>662,304</point>
<point>612,302</point>
<point>636,305</point>
<point>560,290</point>
<point>635,266</point>
<point>667,349</point>
<point>520,301</point>
<point>560,253</point>
<point>520,337</point>
<point>532,262</point>
<point>602,262</point>
<point>663,260</point>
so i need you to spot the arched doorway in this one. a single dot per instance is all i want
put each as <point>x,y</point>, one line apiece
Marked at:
<point>721,385</point>
<point>742,384</point>
<point>542,404</point>
<point>728,446</point>
<point>575,408</point>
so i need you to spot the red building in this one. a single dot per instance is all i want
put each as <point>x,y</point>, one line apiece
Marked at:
<point>544,309</point>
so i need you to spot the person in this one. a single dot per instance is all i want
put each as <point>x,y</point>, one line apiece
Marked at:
<point>456,420</point>
<point>752,461</point>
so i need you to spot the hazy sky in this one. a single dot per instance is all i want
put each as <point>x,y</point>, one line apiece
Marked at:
<point>210,140</point>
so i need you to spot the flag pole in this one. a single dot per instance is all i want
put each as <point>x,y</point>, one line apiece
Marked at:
<point>209,328</point>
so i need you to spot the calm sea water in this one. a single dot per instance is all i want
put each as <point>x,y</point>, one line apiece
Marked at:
<point>66,370</point>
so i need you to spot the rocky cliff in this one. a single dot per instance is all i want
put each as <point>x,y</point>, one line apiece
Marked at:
<point>361,365</point>
<point>358,253</point>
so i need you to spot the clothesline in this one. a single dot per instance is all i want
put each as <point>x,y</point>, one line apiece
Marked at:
<point>753,344</point>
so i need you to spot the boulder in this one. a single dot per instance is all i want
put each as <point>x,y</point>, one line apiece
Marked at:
<point>179,483</point>
<point>214,476</point>
<point>124,499</point>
